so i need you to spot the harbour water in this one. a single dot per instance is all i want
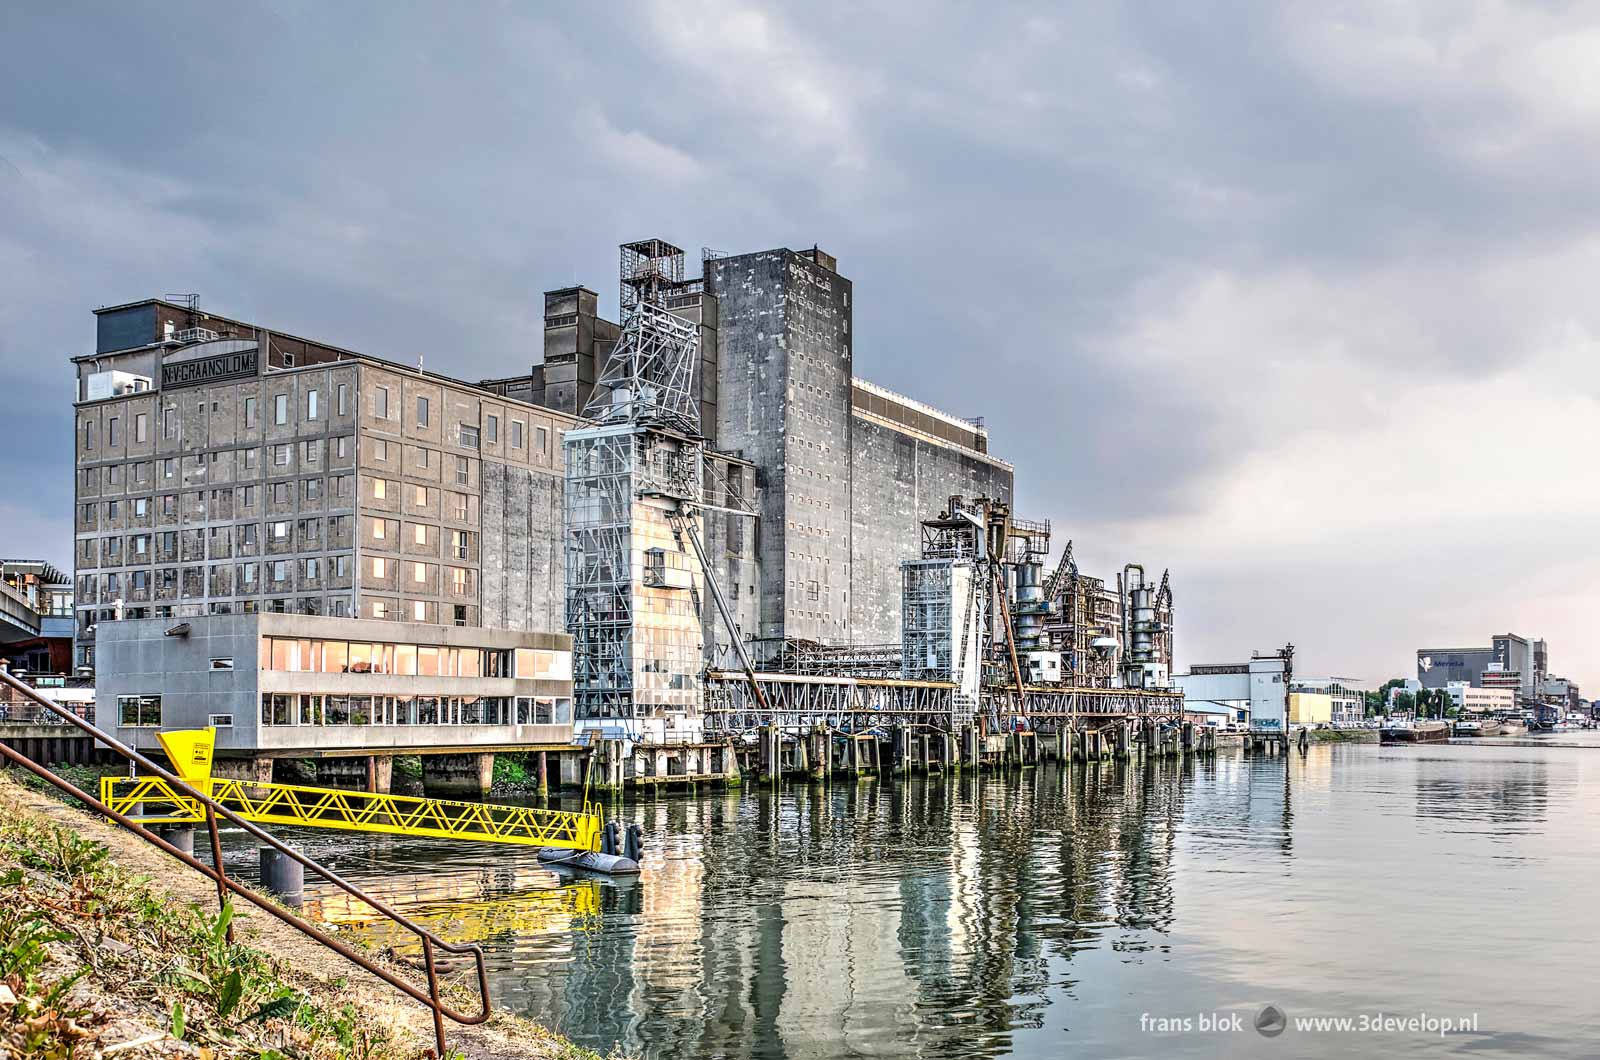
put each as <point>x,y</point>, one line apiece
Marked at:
<point>1100,910</point>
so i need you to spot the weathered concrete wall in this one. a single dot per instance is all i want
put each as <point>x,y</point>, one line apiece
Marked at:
<point>731,545</point>
<point>524,578</point>
<point>898,479</point>
<point>785,367</point>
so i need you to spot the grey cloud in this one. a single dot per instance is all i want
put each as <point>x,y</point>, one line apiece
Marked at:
<point>1017,193</point>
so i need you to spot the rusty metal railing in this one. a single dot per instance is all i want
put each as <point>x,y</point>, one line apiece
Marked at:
<point>431,996</point>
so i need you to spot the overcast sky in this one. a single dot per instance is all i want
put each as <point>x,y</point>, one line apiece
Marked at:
<point>1296,300</point>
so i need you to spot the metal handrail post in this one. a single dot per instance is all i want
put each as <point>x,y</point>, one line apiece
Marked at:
<point>226,884</point>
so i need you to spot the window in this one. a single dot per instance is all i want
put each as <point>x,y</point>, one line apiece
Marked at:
<point>280,455</point>
<point>458,543</point>
<point>247,575</point>
<point>421,500</point>
<point>220,721</point>
<point>419,611</point>
<point>463,470</point>
<point>250,459</point>
<point>422,412</point>
<point>169,467</point>
<point>113,509</point>
<point>342,446</point>
<point>424,457</point>
<point>313,569</point>
<point>313,489</point>
<point>458,580</point>
<point>112,439</point>
<point>141,507</point>
<point>377,529</point>
<point>280,409</point>
<point>516,434</point>
<point>380,402</point>
<point>280,493</point>
<point>380,489</point>
<point>249,412</point>
<point>541,438</point>
<point>280,570</point>
<point>378,566</point>
<point>341,398</point>
<point>169,421</point>
<point>141,544</point>
<point>141,427</point>
<point>280,530</point>
<point>222,664</point>
<point>313,403</point>
<point>341,566</point>
<point>419,573</point>
<point>421,534</point>
<point>492,428</point>
<point>88,434</point>
<point>469,436</point>
<point>380,449</point>
<point>143,712</point>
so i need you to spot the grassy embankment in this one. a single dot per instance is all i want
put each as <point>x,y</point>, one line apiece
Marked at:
<point>111,948</point>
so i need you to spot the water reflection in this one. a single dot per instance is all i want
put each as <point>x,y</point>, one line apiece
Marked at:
<point>974,916</point>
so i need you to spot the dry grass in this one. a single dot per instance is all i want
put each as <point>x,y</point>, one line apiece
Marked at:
<point>108,947</point>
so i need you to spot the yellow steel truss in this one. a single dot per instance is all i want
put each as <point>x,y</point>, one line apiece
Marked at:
<point>357,811</point>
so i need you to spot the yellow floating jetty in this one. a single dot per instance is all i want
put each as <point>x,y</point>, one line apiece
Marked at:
<point>153,800</point>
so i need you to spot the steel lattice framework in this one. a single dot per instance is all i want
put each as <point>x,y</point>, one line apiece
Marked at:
<point>649,378</point>
<point>855,704</point>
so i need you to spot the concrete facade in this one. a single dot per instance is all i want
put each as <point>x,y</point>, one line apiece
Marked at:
<point>907,460</point>
<point>225,469</point>
<point>785,390</point>
<point>264,698</point>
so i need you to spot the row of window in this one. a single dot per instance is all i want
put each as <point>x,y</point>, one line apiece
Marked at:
<point>171,423</point>
<point>467,434</point>
<point>196,466</point>
<point>230,503</point>
<point>219,542</point>
<point>305,655</point>
<point>277,709</point>
<point>338,606</point>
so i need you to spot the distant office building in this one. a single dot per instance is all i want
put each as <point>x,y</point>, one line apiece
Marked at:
<point>1470,700</point>
<point>1346,703</point>
<point>1439,667</point>
<point>1509,661</point>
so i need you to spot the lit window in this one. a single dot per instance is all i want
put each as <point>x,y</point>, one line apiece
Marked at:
<point>377,566</point>
<point>419,572</point>
<point>422,534</point>
<point>377,529</point>
<point>419,611</point>
<point>380,489</point>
